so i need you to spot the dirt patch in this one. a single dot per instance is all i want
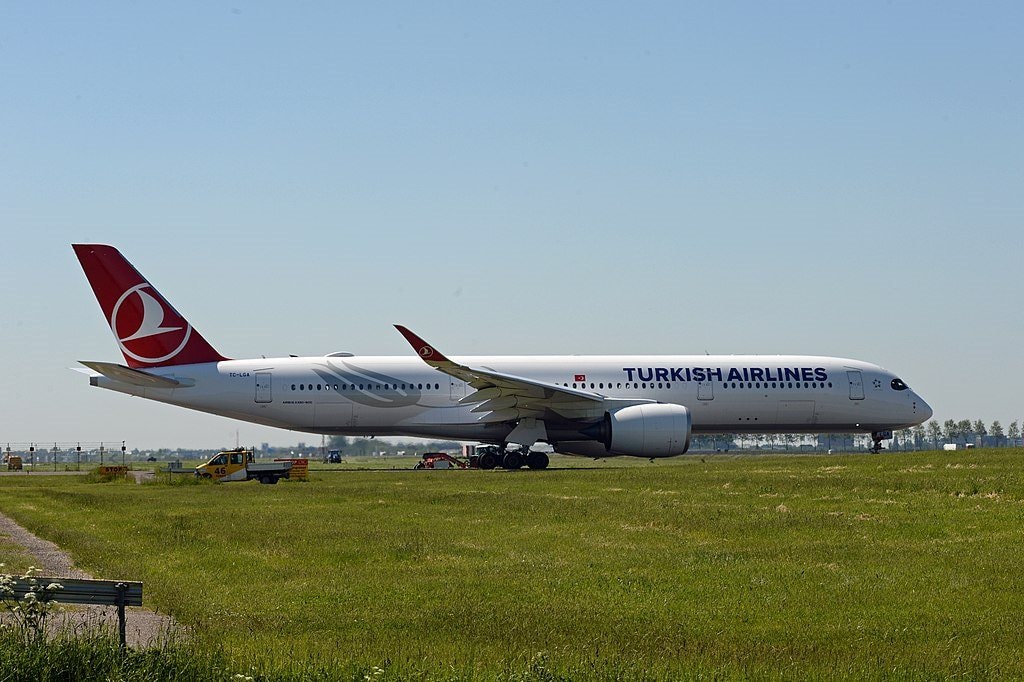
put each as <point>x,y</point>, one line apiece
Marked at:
<point>143,628</point>
<point>141,476</point>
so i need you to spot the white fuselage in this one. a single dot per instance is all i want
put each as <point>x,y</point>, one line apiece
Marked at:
<point>374,395</point>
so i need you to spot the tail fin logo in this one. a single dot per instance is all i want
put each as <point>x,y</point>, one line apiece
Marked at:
<point>141,323</point>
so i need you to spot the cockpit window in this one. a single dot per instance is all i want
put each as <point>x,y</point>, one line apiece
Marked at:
<point>898,385</point>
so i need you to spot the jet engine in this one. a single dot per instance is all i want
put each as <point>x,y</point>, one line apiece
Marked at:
<point>647,430</point>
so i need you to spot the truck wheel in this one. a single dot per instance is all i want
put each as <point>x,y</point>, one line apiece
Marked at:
<point>266,480</point>
<point>513,460</point>
<point>537,460</point>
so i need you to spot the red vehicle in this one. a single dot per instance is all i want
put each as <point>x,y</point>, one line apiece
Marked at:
<point>440,460</point>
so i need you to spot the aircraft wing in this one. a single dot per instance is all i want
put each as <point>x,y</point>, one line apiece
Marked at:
<point>506,397</point>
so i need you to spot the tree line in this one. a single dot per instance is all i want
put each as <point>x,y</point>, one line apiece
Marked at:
<point>932,435</point>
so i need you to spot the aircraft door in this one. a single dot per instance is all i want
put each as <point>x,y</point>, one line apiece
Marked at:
<point>856,385</point>
<point>263,394</point>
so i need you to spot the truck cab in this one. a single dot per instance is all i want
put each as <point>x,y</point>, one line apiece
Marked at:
<point>226,464</point>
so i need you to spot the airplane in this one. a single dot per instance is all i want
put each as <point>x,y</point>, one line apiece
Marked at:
<point>592,406</point>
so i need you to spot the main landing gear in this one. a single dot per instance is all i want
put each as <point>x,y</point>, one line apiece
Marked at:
<point>494,457</point>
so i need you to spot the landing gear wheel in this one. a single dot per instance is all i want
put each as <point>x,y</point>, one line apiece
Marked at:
<point>537,460</point>
<point>488,460</point>
<point>513,460</point>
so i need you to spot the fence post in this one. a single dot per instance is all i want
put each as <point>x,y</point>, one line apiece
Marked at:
<point>121,589</point>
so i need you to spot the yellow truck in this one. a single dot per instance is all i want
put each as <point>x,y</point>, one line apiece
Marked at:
<point>239,465</point>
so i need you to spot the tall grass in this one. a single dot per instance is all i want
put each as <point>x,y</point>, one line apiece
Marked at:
<point>858,566</point>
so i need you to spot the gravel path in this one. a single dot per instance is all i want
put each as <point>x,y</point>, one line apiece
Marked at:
<point>144,627</point>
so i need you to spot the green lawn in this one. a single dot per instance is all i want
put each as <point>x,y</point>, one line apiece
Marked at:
<point>896,565</point>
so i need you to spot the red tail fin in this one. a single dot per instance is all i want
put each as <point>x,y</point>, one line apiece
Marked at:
<point>148,329</point>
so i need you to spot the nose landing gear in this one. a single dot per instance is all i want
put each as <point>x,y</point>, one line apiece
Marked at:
<point>877,437</point>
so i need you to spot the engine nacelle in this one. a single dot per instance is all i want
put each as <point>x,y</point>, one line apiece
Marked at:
<point>648,430</point>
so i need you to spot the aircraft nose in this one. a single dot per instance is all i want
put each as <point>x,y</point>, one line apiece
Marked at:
<point>924,410</point>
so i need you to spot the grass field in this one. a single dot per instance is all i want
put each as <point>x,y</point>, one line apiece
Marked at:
<point>897,565</point>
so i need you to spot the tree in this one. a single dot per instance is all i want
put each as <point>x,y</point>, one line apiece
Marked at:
<point>1013,433</point>
<point>980,431</point>
<point>361,447</point>
<point>966,430</point>
<point>951,430</point>
<point>934,432</point>
<point>919,436</point>
<point>996,430</point>
<point>337,443</point>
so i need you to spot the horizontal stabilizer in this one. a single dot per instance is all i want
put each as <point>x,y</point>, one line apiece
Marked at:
<point>135,377</point>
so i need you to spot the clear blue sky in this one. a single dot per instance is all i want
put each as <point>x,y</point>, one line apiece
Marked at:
<point>829,178</point>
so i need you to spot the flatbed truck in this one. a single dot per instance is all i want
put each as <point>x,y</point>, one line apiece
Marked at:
<point>239,465</point>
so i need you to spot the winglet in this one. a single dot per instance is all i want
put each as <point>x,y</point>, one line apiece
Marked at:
<point>428,353</point>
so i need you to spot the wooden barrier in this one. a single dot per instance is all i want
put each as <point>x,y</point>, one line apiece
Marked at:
<point>119,593</point>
